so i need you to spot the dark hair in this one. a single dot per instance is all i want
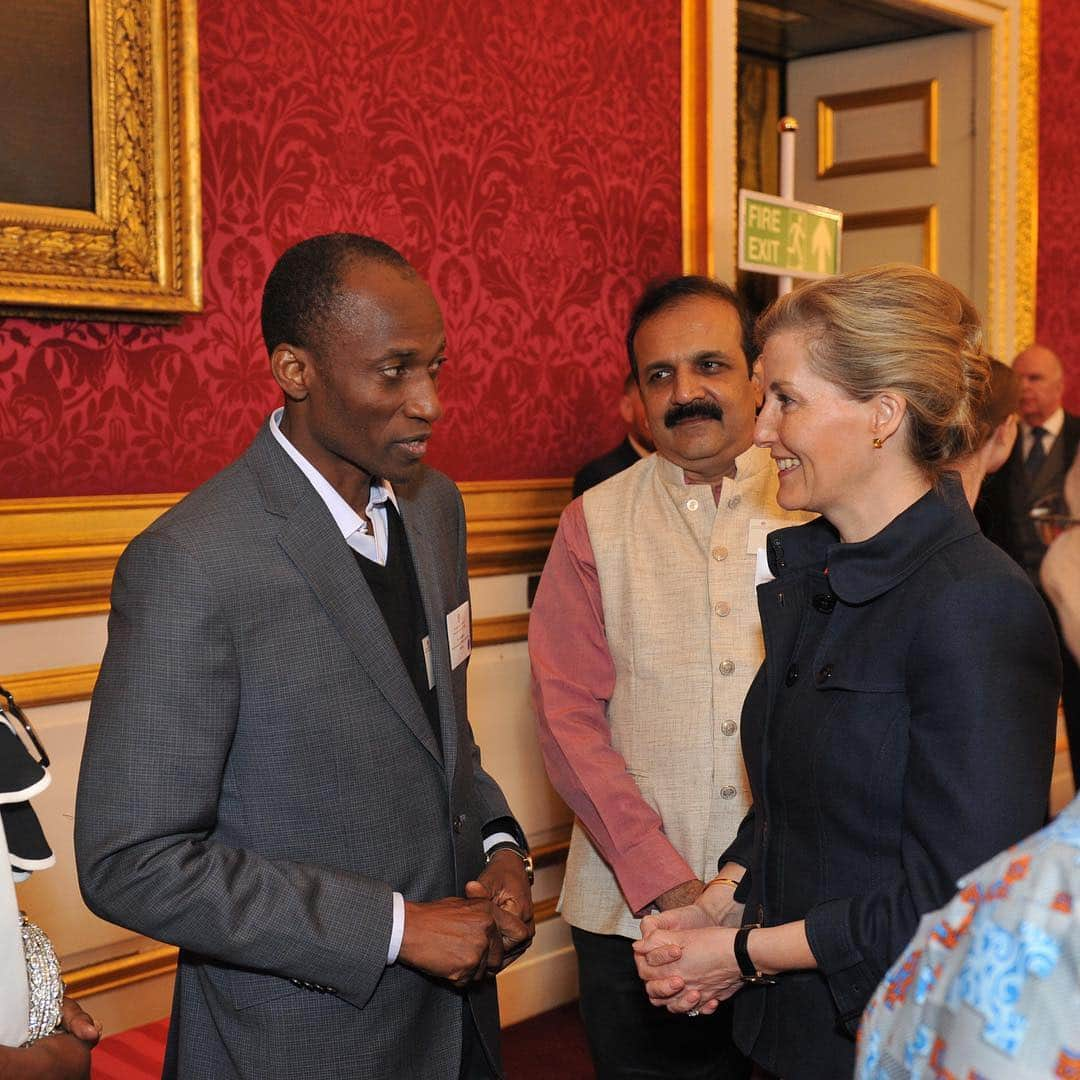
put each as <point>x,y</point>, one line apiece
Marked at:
<point>1000,402</point>
<point>300,292</point>
<point>670,292</point>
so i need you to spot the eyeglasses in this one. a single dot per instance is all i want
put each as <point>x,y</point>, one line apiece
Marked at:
<point>12,709</point>
<point>1051,518</point>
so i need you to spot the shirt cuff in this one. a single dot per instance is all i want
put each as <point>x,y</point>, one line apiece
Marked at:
<point>649,869</point>
<point>398,930</point>
<point>500,838</point>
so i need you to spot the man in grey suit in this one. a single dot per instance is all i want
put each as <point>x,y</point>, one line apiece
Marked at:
<point>279,774</point>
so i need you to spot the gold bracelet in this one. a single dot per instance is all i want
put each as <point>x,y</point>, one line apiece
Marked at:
<point>733,882</point>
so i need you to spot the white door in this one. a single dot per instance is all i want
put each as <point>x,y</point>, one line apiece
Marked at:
<point>887,134</point>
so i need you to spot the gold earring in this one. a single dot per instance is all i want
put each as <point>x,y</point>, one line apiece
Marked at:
<point>878,444</point>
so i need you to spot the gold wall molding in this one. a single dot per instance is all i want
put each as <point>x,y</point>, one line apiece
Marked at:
<point>52,686</point>
<point>829,107</point>
<point>57,556</point>
<point>697,191</point>
<point>924,216</point>
<point>140,248</point>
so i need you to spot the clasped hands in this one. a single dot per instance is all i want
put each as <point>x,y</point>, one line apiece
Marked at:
<point>465,939</point>
<point>686,956</point>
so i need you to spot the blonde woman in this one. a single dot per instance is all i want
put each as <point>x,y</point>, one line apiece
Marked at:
<point>901,728</point>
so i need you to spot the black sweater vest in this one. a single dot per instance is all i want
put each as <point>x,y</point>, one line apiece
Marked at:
<point>396,591</point>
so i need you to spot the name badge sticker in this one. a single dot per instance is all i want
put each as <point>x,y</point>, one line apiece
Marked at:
<point>459,633</point>
<point>426,644</point>
<point>757,530</point>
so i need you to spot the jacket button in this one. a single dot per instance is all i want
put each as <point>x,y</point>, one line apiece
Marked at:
<point>727,667</point>
<point>824,602</point>
<point>734,501</point>
<point>459,823</point>
<point>691,504</point>
<point>825,674</point>
<point>729,727</point>
<point>728,792</point>
<point>720,553</point>
<point>792,675</point>
<point>722,608</point>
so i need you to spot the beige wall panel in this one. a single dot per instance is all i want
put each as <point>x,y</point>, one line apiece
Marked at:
<point>49,643</point>
<point>500,709</point>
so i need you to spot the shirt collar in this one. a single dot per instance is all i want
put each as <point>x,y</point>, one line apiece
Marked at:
<point>345,517</point>
<point>1052,425</point>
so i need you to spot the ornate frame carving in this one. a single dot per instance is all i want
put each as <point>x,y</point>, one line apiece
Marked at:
<point>140,250</point>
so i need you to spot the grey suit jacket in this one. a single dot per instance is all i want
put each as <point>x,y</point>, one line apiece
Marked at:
<point>259,777</point>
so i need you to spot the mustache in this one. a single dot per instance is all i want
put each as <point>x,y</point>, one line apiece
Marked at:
<point>693,410</point>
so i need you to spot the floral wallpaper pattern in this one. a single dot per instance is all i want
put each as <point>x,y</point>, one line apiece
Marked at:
<point>524,157</point>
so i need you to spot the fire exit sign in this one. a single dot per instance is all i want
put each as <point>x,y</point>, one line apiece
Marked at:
<point>781,236</point>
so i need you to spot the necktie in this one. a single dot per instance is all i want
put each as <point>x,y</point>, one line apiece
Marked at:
<point>1036,455</point>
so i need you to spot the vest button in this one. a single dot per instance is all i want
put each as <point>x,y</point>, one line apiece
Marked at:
<point>727,667</point>
<point>792,675</point>
<point>728,792</point>
<point>824,675</point>
<point>691,504</point>
<point>729,727</point>
<point>459,823</point>
<point>734,501</point>
<point>722,608</point>
<point>720,553</point>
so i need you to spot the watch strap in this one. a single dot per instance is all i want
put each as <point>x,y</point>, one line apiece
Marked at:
<point>749,972</point>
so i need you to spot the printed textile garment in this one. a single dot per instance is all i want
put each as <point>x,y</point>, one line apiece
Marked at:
<point>989,988</point>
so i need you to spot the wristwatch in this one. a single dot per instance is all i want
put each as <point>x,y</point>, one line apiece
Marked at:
<point>523,855</point>
<point>750,974</point>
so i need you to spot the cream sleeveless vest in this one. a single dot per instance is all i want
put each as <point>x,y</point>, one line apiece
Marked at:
<point>676,577</point>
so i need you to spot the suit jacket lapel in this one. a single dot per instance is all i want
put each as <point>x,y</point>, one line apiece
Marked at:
<point>434,603</point>
<point>313,543</point>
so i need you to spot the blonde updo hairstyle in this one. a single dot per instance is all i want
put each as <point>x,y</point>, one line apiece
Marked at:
<point>896,328</point>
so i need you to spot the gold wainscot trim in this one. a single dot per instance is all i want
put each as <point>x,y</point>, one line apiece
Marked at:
<point>52,686</point>
<point>140,249</point>
<point>500,629</point>
<point>55,686</point>
<point>697,199</point>
<point>57,556</point>
<point>925,216</point>
<point>137,967</point>
<point>828,107</point>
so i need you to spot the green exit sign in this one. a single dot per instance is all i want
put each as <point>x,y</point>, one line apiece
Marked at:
<point>781,236</point>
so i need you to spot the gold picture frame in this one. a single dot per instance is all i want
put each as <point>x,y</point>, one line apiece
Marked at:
<point>139,251</point>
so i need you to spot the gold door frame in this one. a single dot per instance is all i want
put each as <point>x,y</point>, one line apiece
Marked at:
<point>1007,51</point>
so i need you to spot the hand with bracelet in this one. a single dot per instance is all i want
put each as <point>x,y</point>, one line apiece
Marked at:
<point>690,962</point>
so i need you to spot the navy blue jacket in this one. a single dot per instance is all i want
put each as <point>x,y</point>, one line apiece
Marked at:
<point>900,732</point>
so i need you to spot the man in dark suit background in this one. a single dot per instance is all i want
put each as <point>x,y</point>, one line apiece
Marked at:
<point>632,449</point>
<point>279,775</point>
<point>1045,449</point>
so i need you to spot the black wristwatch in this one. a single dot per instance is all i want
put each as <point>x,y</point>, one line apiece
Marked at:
<point>523,855</point>
<point>750,973</point>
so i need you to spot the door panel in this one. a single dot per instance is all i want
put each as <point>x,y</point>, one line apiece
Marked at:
<point>886,135</point>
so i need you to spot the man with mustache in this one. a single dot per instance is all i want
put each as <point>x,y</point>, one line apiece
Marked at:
<point>279,774</point>
<point>644,637</point>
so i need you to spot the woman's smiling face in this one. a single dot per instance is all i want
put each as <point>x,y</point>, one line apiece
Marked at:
<point>820,438</point>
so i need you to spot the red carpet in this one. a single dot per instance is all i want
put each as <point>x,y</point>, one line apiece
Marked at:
<point>531,1050</point>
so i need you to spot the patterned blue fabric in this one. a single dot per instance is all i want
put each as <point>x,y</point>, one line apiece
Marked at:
<point>989,988</point>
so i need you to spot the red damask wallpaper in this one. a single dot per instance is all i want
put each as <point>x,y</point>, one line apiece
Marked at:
<point>524,156</point>
<point>1058,311</point>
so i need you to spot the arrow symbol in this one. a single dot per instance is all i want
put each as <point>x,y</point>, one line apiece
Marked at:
<point>821,246</point>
